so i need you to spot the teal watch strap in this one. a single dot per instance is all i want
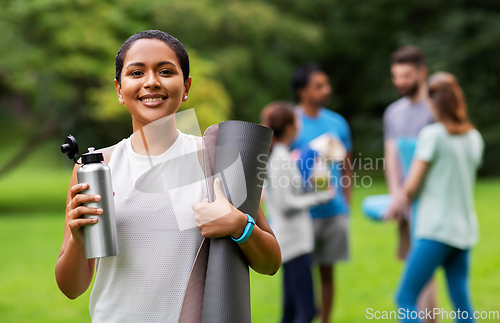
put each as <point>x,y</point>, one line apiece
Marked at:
<point>247,232</point>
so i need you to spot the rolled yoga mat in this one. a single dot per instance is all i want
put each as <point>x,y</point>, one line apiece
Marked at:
<point>376,206</point>
<point>227,287</point>
<point>237,153</point>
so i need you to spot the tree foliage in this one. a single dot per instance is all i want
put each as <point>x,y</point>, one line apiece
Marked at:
<point>57,58</point>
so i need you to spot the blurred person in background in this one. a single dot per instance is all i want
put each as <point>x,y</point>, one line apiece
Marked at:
<point>442,176</point>
<point>403,121</point>
<point>311,87</point>
<point>288,208</point>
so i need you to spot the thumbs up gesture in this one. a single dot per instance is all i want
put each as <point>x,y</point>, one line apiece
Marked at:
<point>219,218</point>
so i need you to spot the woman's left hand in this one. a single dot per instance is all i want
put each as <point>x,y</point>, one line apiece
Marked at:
<point>219,218</point>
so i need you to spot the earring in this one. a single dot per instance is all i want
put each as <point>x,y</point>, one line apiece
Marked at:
<point>120,100</point>
<point>185,97</point>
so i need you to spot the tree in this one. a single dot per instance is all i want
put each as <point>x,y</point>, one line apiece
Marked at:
<point>56,58</point>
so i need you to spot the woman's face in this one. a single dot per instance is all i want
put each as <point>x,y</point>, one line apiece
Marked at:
<point>152,84</point>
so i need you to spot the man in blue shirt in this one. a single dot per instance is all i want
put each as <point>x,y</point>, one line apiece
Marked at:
<point>312,89</point>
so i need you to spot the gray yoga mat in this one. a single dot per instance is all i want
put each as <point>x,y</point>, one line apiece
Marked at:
<point>237,153</point>
<point>227,287</point>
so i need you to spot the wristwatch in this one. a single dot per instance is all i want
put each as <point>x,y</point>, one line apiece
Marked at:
<point>248,230</point>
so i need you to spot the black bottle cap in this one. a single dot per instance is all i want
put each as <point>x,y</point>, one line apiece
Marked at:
<point>70,148</point>
<point>92,157</point>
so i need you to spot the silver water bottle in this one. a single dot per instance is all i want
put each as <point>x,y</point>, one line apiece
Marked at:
<point>101,239</point>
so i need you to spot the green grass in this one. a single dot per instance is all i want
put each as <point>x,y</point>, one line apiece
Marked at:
<point>370,278</point>
<point>32,202</point>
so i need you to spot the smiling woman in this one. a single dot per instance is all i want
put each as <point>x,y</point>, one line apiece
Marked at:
<point>147,281</point>
<point>152,77</point>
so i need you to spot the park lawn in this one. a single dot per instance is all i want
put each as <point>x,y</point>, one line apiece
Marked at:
<point>370,278</point>
<point>32,202</point>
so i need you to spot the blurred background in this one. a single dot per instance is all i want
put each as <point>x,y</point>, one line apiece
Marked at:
<point>56,77</point>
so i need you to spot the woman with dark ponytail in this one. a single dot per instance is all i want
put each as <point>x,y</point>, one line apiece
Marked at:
<point>287,205</point>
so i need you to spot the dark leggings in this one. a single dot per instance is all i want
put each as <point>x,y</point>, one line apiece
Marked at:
<point>298,291</point>
<point>424,257</point>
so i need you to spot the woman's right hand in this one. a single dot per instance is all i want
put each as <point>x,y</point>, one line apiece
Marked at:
<point>399,208</point>
<point>75,211</point>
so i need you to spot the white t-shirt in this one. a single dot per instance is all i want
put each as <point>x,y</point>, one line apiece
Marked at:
<point>157,234</point>
<point>288,205</point>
